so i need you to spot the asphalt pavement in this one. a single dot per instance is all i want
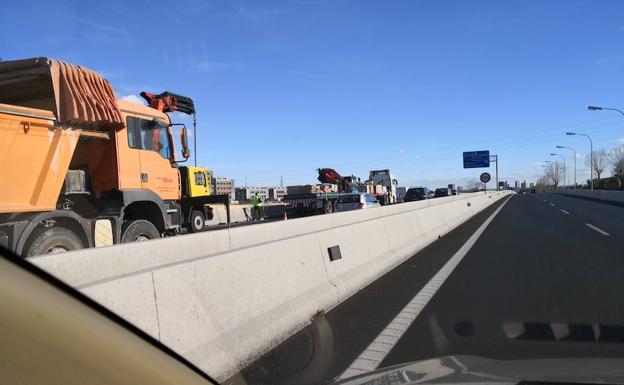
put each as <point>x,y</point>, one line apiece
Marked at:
<point>540,282</point>
<point>545,279</point>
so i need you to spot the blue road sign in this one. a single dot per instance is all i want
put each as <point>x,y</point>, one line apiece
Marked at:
<point>476,159</point>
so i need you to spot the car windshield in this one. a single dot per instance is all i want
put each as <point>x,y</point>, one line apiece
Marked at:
<point>349,199</point>
<point>262,153</point>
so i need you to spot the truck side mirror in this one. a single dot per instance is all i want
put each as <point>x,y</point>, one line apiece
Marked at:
<point>186,152</point>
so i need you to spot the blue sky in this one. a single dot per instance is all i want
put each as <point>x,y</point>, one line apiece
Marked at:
<point>283,88</point>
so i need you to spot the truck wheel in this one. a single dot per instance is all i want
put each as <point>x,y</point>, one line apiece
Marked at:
<point>138,231</point>
<point>196,222</point>
<point>53,240</point>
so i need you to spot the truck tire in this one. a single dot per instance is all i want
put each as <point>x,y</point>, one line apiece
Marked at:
<point>139,230</point>
<point>196,221</point>
<point>52,240</point>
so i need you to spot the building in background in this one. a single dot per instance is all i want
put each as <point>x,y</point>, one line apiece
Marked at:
<point>240,194</point>
<point>523,185</point>
<point>277,193</point>
<point>224,186</point>
<point>243,194</point>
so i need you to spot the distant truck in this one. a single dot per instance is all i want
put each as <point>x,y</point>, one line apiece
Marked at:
<point>306,204</point>
<point>453,189</point>
<point>80,169</point>
<point>311,200</point>
<point>384,178</point>
<point>381,185</point>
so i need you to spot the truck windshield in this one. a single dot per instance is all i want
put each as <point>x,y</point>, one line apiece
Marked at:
<point>148,135</point>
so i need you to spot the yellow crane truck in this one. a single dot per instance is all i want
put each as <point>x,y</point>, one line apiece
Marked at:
<point>79,168</point>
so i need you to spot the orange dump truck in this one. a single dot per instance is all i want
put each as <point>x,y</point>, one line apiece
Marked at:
<point>79,168</point>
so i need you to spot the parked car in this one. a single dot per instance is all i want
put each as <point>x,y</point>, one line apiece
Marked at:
<point>356,201</point>
<point>442,192</point>
<point>417,194</point>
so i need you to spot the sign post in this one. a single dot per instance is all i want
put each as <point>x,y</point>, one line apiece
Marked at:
<point>485,177</point>
<point>481,159</point>
<point>494,158</point>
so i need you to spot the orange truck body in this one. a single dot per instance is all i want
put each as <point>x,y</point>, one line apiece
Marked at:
<point>34,158</point>
<point>55,118</point>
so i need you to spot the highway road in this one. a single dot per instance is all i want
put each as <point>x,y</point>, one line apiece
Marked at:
<point>535,275</point>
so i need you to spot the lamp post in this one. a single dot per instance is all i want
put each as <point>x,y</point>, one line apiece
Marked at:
<point>545,165</point>
<point>564,168</point>
<point>591,155</point>
<point>573,150</point>
<point>596,108</point>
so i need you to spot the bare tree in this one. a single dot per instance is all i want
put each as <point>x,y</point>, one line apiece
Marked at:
<point>541,183</point>
<point>617,160</point>
<point>616,156</point>
<point>553,173</point>
<point>598,161</point>
<point>472,185</point>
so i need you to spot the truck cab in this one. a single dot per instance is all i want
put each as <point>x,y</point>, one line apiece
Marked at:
<point>385,178</point>
<point>146,152</point>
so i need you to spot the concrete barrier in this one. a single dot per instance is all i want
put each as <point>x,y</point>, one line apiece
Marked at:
<point>608,196</point>
<point>223,298</point>
<point>237,213</point>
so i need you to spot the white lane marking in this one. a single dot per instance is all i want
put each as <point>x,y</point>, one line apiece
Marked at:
<point>597,229</point>
<point>552,204</point>
<point>372,356</point>
<point>565,212</point>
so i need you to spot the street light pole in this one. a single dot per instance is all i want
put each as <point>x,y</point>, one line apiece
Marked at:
<point>494,158</point>
<point>564,168</point>
<point>596,108</point>
<point>591,155</point>
<point>544,165</point>
<point>573,150</point>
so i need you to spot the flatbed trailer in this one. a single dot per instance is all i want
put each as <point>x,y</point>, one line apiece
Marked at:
<point>303,205</point>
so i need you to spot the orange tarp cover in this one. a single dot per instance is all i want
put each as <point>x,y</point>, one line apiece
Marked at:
<point>76,95</point>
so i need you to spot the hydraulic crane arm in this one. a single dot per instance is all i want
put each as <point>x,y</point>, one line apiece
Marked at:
<point>169,102</point>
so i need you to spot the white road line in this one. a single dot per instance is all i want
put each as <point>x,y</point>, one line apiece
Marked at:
<point>552,204</point>
<point>372,356</point>
<point>565,212</point>
<point>597,229</point>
